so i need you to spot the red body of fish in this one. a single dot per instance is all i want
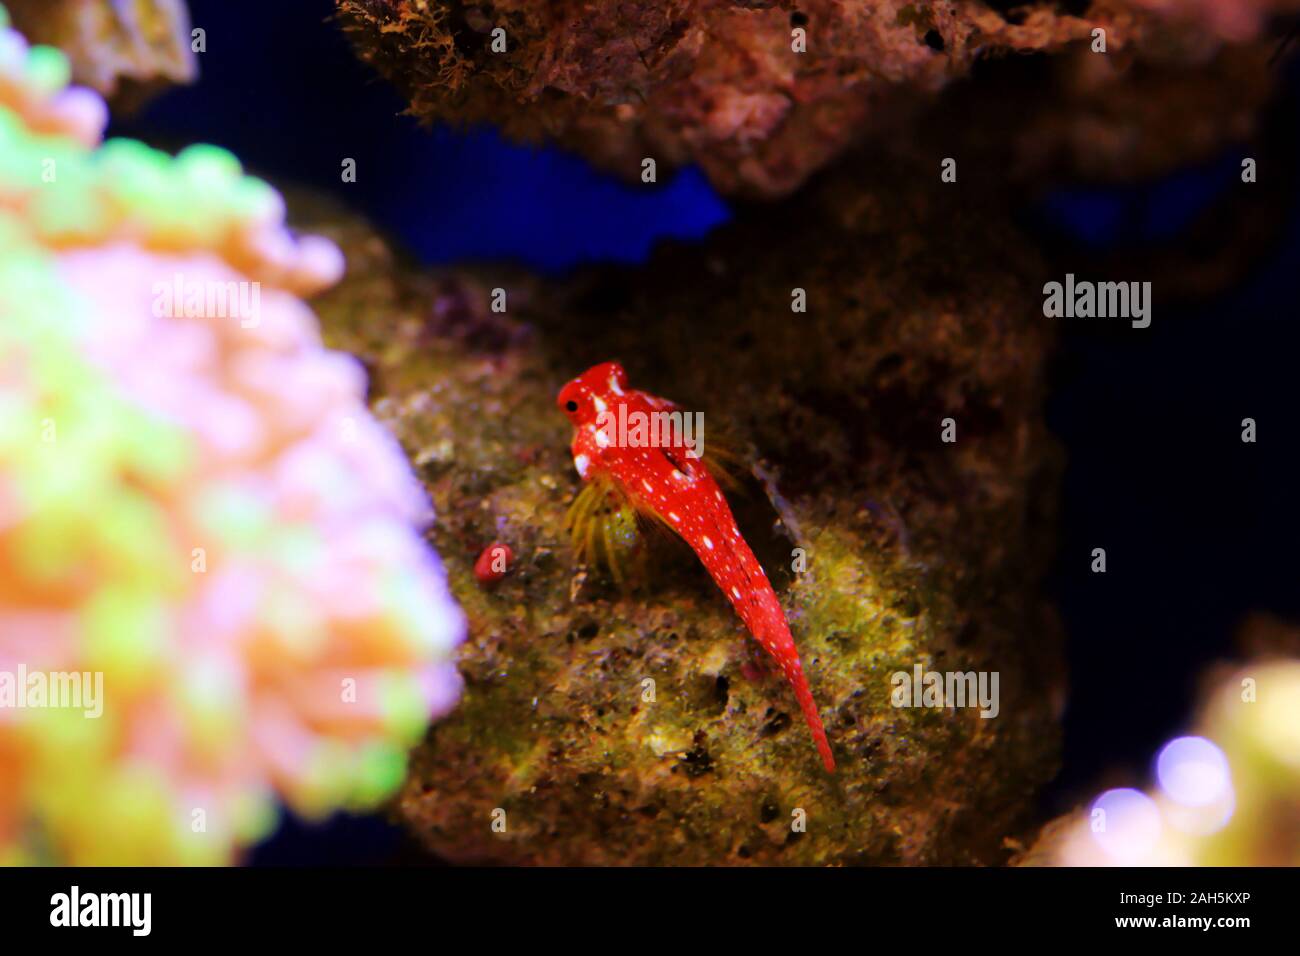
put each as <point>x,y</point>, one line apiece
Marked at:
<point>666,480</point>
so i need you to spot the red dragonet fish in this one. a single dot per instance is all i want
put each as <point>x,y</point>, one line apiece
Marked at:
<point>659,474</point>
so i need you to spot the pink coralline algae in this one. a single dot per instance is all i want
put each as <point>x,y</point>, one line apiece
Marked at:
<point>213,595</point>
<point>1234,21</point>
<point>493,564</point>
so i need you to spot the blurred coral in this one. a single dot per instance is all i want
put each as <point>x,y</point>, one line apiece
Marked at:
<point>1229,795</point>
<point>204,534</point>
<point>137,44</point>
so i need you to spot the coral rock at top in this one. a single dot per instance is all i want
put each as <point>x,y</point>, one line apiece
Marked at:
<point>722,84</point>
<point>212,595</point>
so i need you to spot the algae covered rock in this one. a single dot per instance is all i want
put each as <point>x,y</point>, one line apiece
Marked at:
<point>600,726</point>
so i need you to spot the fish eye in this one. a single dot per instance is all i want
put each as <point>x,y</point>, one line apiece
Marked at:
<point>571,405</point>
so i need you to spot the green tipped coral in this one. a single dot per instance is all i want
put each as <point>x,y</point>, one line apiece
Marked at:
<point>212,597</point>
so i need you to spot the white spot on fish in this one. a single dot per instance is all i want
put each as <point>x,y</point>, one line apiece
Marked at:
<point>582,463</point>
<point>599,403</point>
<point>601,438</point>
<point>613,386</point>
<point>707,543</point>
<point>736,592</point>
<point>674,516</point>
<point>648,487</point>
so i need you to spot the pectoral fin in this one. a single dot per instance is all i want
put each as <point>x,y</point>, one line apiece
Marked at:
<point>604,528</point>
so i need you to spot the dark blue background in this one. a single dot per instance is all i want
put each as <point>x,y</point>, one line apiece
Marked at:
<point>1199,528</point>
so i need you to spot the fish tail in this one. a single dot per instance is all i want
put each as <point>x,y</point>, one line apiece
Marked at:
<point>766,622</point>
<point>768,625</point>
<point>811,715</point>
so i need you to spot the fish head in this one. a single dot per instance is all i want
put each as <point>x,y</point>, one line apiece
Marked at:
<point>583,399</point>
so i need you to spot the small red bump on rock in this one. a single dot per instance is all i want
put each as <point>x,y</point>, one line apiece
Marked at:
<point>493,564</point>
